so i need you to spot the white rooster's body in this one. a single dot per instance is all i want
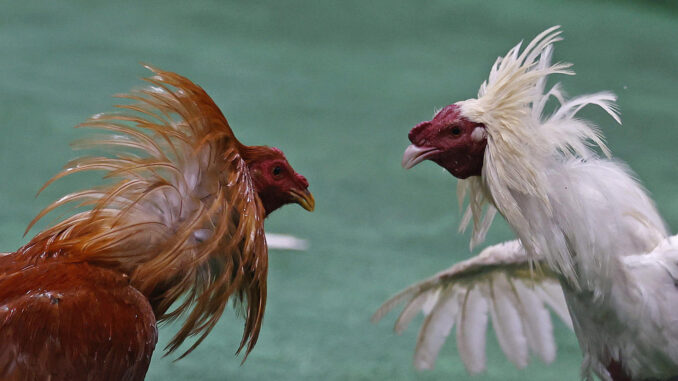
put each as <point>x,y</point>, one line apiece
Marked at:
<point>620,287</point>
<point>582,217</point>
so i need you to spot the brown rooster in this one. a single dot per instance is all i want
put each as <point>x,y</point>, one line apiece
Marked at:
<point>182,221</point>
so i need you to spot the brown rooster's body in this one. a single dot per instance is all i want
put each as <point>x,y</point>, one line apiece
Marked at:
<point>83,322</point>
<point>181,220</point>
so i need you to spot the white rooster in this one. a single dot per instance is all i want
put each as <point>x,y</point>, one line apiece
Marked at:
<point>585,226</point>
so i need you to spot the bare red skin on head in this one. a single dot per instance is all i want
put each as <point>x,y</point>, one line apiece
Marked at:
<point>450,133</point>
<point>274,178</point>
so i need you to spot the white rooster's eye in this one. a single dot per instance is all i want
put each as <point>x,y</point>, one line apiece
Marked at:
<point>456,130</point>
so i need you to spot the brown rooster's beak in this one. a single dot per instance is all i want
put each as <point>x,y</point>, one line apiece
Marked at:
<point>303,198</point>
<point>414,155</point>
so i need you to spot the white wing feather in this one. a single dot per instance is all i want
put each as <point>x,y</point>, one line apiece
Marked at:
<point>471,330</point>
<point>285,242</point>
<point>500,282</point>
<point>436,327</point>
<point>539,339</point>
<point>507,323</point>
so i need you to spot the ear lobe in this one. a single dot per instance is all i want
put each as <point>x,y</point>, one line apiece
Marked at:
<point>479,133</point>
<point>255,171</point>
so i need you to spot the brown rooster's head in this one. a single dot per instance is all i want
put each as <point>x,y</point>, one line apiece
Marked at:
<point>451,141</point>
<point>275,180</point>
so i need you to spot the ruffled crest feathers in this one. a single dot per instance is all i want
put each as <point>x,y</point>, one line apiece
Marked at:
<point>520,138</point>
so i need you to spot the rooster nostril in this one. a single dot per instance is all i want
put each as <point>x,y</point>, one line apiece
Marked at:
<point>302,180</point>
<point>413,136</point>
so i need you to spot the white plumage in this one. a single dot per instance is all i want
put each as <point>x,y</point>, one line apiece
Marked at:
<point>498,282</point>
<point>285,242</point>
<point>583,219</point>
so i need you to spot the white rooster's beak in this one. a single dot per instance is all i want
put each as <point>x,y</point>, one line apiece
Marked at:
<point>414,155</point>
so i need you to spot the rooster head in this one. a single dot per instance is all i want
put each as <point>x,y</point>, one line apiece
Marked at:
<point>451,141</point>
<point>275,180</point>
<point>502,142</point>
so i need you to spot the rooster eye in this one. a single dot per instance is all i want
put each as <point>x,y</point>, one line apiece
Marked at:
<point>456,130</point>
<point>277,170</point>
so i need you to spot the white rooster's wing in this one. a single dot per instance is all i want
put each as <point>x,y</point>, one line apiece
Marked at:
<point>285,242</point>
<point>498,281</point>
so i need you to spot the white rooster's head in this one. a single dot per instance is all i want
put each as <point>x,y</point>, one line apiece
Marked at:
<point>500,144</point>
<point>499,120</point>
<point>451,141</point>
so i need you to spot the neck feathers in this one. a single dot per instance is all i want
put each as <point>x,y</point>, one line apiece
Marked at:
<point>523,141</point>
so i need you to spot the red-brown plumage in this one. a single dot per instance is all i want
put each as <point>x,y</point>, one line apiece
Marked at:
<point>182,220</point>
<point>72,321</point>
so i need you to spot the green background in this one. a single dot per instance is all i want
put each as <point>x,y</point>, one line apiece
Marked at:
<point>336,85</point>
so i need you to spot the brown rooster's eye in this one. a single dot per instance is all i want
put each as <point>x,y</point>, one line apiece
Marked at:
<point>456,130</point>
<point>276,171</point>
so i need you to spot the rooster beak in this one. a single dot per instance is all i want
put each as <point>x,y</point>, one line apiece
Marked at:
<point>414,155</point>
<point>303,198</point>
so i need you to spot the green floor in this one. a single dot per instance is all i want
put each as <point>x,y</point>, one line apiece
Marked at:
<point>336,85</point>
